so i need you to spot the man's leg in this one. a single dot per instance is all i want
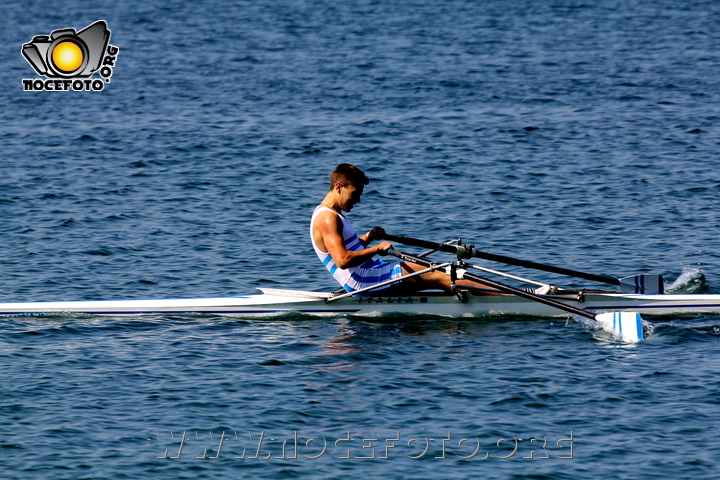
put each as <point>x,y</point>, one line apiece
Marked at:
<point>436,279</point>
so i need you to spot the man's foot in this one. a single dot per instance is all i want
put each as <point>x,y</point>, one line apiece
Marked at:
<point>546,290</point>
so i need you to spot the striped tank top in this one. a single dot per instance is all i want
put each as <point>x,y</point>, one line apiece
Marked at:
<point>371,272</point>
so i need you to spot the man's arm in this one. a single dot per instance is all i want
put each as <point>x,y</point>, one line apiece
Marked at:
<point>330,228</point>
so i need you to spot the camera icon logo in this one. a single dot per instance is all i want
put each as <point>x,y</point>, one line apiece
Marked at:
<point>67,59</point>
<point>66,53</point>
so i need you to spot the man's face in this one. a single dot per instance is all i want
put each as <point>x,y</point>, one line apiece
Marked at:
<point>349,196</point>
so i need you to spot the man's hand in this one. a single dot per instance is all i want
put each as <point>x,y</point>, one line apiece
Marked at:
<point>384,247</point>
<point>377,233</point>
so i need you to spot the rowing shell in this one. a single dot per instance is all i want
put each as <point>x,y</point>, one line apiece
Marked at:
<point>274,301</point>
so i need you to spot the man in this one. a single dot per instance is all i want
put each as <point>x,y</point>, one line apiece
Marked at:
<point>348,257</point>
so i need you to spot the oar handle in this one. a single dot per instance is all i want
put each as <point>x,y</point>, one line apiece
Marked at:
<point>467,251</point>
<point>500,286</point>
<point>416,242</point>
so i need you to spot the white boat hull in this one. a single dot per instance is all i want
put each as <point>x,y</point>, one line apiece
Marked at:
<point>314,303</point>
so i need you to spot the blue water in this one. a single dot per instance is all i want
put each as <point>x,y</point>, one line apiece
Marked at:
<point>581,134</point>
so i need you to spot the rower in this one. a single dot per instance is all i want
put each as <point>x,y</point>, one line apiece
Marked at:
<point>348,256</point>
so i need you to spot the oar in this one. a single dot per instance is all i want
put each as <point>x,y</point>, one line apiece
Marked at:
<point>647,284</point>
<point>626,325</point>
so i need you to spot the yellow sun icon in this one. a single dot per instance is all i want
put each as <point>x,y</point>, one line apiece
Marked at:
<point>67,56</point>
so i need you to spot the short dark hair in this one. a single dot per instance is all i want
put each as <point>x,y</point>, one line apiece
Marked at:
<point>347,174</point>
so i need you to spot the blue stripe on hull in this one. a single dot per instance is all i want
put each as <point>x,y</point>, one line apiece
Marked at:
<point>636,307</point>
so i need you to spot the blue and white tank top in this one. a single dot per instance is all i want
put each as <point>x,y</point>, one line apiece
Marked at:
<point>371,272</point>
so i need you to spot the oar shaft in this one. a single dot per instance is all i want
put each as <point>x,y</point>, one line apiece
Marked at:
<point>500,286</point>
<point>546,268</point>
<point>507,275</point>
<point>467,252</point>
